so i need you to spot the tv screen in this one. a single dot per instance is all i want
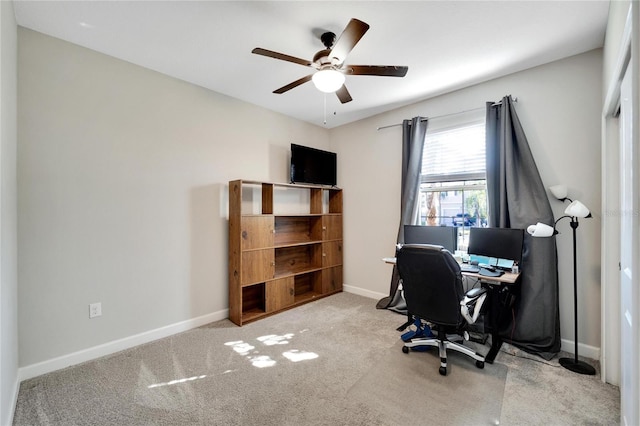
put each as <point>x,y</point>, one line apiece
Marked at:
<point>445,236</point>
<point>498,243</point>
<point>311,165</point>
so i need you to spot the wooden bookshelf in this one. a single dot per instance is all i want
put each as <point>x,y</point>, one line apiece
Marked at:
<point>279,259</point>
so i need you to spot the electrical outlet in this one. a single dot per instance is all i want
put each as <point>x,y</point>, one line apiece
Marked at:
<point>95,310</point>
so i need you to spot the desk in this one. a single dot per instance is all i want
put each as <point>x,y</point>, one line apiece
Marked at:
<point>496,286</point>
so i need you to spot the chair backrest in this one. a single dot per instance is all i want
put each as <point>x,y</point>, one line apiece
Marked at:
<point>432,283</point>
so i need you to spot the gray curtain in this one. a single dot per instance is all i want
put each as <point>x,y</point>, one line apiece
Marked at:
<point>517,199</point>
<point>413,132</point>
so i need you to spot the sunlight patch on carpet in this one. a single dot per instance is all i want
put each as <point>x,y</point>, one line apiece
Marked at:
<point>269,343</point>
<point>176,381</point>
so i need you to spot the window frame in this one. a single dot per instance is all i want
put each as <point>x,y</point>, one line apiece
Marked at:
<point>459,182</point>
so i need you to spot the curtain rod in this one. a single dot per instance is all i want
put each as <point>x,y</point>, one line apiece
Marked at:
<point>515,100</point>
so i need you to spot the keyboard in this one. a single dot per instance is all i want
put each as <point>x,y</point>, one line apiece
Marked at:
<point>465,267</point>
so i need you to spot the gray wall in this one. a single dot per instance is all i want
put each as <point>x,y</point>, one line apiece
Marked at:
<point>123,178</point>
<point>8,219</point>
<point>559,106</point>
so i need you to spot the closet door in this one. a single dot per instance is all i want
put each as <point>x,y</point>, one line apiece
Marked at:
<point>629,255</point>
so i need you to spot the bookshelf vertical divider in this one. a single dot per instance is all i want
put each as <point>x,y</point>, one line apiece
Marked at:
<point>280,259</point>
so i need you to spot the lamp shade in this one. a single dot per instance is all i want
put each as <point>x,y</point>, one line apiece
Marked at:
<point>328,81</point>
<point>559,191</point>
<point>541,230</point>
<point>577,209</point>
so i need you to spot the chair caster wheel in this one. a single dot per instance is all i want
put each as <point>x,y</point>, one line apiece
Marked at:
<point>480,364</point>
<point>443,371</point>
<point>405,349</point>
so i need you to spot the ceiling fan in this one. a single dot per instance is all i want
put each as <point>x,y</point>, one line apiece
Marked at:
<point>330,62</point>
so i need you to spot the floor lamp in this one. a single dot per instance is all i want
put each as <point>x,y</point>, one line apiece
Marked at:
<point>574,211</point>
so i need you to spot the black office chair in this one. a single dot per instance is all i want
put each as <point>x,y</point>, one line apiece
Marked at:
<point>432,285</point>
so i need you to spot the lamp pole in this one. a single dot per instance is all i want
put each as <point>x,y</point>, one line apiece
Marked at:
<point>575,210</point>
<point>574,364</point>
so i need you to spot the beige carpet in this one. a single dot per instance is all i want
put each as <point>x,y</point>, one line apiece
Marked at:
<point>401,383</point>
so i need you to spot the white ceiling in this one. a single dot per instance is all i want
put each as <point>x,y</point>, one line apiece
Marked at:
<point>447,45</point>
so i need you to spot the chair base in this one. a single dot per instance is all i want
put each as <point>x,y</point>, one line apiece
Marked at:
<point>442,346</point>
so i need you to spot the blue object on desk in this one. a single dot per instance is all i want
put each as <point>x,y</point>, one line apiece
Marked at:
<point>482,260</point>
<point>505,264</point>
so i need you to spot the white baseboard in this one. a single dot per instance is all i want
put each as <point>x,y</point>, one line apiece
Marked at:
<point>109,348</point>
<point>363,292</point>
<point>588,351</point>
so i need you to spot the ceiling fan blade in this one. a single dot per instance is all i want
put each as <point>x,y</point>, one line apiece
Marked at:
<point>343,94</point>
<point>348,39</point>
<point>293,85</point>
<point>380,70</point>
<point>281,56</point>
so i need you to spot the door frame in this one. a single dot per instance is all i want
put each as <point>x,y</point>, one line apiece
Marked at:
<point>610,233</point>
<point>613,319</point>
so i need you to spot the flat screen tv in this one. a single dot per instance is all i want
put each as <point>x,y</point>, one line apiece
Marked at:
<point>311,165</point>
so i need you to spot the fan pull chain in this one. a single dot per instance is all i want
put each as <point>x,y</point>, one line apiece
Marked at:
<point>325,109</point>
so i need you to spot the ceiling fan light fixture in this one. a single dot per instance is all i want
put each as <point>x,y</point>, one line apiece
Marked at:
<point>328,81</point>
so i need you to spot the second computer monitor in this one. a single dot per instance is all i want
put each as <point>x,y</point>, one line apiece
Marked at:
<point>445,236</point>
<point>498,243</point>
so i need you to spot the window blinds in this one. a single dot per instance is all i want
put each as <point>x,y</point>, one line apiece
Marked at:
<point>455,154</point>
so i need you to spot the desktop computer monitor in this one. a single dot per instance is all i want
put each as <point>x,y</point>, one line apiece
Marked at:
<point>445,236</point>
<point>501,246</point>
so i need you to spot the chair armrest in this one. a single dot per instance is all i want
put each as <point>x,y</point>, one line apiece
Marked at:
<point>475,292</point>
<point>471,305</point>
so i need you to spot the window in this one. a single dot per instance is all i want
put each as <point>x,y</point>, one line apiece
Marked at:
<point>453,187</point>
